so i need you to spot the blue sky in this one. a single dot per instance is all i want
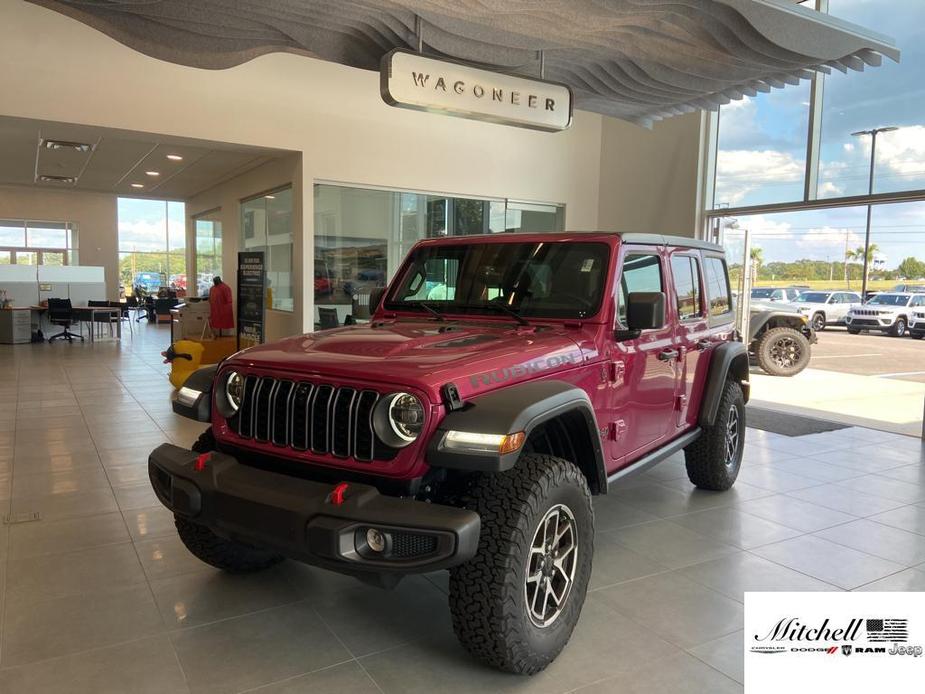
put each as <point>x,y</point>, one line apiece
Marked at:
<point>763,147</point>
<point>143,224</point>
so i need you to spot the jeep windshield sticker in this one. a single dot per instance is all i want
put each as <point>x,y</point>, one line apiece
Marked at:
<point>520,370</point>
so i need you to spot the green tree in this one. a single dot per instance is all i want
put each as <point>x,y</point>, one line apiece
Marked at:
<point>857,255</point>
<point>911,268</point>
<point>756,256</point>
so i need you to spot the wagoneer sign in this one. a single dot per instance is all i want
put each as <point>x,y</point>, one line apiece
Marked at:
<point>411,80</point>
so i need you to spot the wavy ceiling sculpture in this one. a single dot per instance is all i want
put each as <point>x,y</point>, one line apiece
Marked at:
<point>639,60</point>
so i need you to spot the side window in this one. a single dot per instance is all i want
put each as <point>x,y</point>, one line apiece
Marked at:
<point>685,271</point>
<point>717,286</point>
<point>642,272</point>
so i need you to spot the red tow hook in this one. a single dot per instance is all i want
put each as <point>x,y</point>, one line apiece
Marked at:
<point>201,461</point>
<point>336,496</point>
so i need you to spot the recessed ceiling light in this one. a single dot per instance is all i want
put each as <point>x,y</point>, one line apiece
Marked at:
<point>66,144</point>
<point>45,178</point>
<point>174,157</point>
<point>138,185</point>
<point>270,197</point>
<point>153,173</point>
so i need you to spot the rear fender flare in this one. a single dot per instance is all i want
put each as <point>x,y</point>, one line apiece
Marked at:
<point>728,361</point>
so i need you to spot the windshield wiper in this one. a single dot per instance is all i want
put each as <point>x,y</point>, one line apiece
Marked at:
<point>507,309</point>
<point>437,314</point>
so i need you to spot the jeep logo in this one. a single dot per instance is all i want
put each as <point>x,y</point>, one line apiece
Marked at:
<point>519,370</point>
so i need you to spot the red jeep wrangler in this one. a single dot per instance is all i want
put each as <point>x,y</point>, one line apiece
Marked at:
<point>502,381</point>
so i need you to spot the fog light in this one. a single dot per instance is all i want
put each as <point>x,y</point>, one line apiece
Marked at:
<point>376,540</point>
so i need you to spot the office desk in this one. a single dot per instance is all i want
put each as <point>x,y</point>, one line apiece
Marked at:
<point>88,314</point>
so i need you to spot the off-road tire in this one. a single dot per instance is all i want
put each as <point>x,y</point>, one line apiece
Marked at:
<point>854,331</point>
<point>488,594</point>
<point>771,339</point>
<point>205,442</point>
<point>228,555</point>
<point>708,464</point>
<point>899,328</point>
<point>818,321</point>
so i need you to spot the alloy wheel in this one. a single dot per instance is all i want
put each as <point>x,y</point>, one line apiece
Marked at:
<point>732,435</point>
<point>551,565</point>
<point>786,352</point>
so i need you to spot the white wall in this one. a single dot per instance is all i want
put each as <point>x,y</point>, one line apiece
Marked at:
<point>55,68</point>
<point>95,214</point>
<point>227,197</point>
<point>649,177</point>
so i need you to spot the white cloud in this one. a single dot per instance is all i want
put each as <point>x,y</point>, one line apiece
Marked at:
<point>827,189</point>
<point>848,146</point>
<point>140,235</point>
<point>903,151</point>
<point>741,171</point>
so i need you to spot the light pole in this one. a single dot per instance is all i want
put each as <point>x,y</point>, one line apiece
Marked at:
<point>870,191</point>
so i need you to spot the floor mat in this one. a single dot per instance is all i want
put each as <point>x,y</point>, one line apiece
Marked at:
<point>788,424</point>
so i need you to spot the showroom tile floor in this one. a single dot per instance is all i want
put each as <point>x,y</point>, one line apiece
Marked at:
<point>100,596</point>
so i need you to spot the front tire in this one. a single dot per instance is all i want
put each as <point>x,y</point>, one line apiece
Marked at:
<point>713,460</point>
<point>854,331</point>
<point>898,328</point>
<point>783,351</point>
<point>819,322</point>
<point>515,604</point>
<point>916,336</point>
<point>227,555</point>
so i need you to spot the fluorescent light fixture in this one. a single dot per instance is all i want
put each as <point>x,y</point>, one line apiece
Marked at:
<point>47,178</point>
<point>66,144</point>
<point>153,173</point>
<point>174,157</point>
<point>188,396</point>
<point>138,185</point>
<point>476,442</point>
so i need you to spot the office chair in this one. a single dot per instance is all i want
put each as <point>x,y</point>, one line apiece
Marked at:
<point>60,312</point>
<point>327,317</point>
<point>100,320</point>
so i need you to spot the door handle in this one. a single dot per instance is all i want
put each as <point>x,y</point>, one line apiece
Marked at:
<point>668,354</point>
<point>704,344</point>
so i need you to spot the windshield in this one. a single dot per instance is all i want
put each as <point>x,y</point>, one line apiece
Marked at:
<point>549,280</point>
<point>762,293</point>
<point>813,298</point>
<point>890,300</point>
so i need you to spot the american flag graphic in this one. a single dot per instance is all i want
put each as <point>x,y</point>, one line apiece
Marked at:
<point>887,630</point>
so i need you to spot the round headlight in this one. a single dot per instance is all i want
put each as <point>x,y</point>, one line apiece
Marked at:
<point>406,415</point>
<point>234,390</point>
<point>398,419</point>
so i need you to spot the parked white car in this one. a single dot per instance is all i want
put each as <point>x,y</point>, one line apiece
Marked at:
<point>888,312</point>
<point>826,308</point>
<point>917,324</point>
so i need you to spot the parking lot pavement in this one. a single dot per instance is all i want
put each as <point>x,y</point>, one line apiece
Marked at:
<point>873,354</point>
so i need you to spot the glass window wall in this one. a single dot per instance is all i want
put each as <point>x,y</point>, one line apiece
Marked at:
<point>208,251</point>
<point>266,225</point>
<point>29,242</point>
<point>152,246</point>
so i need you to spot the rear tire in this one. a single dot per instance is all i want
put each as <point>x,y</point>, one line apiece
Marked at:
<point>714,459</point>
<point>227,555</point>
<point>818,322</point>
<point>515,604</point>
<point>782,351</point>
<point>898,329</point>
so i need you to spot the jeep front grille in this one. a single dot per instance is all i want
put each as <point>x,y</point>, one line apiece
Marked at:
<point>866,312</point>
<point>307,416</point>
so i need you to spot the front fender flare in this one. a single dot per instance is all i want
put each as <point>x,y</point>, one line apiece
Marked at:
<point>510,410</point>
<point>194,399</point>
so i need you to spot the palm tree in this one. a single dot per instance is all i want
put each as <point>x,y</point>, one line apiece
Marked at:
<point>857,255</point>
<point>756,256</point>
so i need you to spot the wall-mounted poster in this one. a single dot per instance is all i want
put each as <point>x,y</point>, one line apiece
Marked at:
<point>251,291</point>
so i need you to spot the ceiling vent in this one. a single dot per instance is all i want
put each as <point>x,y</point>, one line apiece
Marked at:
<point>44,178</point>
<point>65,144</point>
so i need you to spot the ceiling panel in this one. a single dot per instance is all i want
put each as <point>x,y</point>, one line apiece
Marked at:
<point>119,158</point>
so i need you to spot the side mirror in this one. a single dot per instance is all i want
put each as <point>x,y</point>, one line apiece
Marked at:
<point>375,298</point>
<point>645,310</point>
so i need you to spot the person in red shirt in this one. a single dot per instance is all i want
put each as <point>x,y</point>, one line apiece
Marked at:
<point>221,316</point>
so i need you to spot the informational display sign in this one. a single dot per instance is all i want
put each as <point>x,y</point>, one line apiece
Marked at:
<point>411,80</point>
<point>251,293</point>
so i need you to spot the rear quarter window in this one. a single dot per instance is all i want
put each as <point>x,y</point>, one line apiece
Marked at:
<point>718,294</point>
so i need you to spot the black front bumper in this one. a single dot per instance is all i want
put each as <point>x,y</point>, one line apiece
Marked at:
<point>301,519</point>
